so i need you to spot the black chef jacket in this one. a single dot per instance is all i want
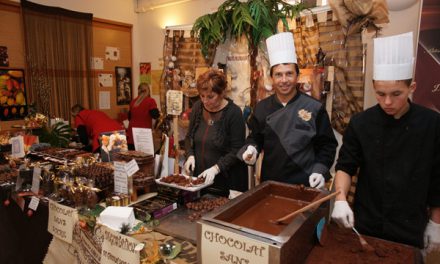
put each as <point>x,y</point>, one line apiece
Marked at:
<point>399,176</point>
<point>297,139</point>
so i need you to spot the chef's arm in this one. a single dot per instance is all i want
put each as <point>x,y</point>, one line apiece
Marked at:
<point>324,144</point>
<point>435,214</point>
<point>342,183</point>
<point>254,139</point>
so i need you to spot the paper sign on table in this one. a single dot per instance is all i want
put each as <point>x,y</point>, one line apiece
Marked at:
<point>18,183</point>
<point>143,140</point>
<point>61,221</point>
<point>36,180</point>
<point>121,177</point>
<point>33,204</point>
<point>17,149</point>
<point>118,248</point>
<point>239,248</point>
<point>131,167</point>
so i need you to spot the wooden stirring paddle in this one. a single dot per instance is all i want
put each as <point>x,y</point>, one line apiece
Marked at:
<point>303,209</point>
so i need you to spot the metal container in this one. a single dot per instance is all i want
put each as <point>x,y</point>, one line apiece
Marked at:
<point>241,231</point>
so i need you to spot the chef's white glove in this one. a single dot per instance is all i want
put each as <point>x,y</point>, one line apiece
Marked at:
<point>342,214</point>
<point>316,180</point>
<point>210,173</point>
<point>432,234</point>
<point>190,164</point>
<point>250,155</point>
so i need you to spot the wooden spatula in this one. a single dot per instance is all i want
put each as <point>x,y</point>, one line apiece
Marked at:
<point>365,246</point>
<point>305,208</point>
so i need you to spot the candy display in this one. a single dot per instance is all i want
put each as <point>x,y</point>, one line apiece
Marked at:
<point>204,205</point>
<point>101,173</point>
<point>7,173</point>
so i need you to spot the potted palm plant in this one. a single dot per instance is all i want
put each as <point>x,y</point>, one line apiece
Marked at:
<point>57,135</point>
<point>254,19</point>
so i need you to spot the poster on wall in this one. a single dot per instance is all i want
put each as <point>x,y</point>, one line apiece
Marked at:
<point>123,85</point>
<point>4,57</point>
<point>428,57</point>
<point>112,53</point>
<point>97,63</point>
<point>105,79</point>
<point>145,72</point>
<point>12,94</point>
<point>111,142</point>
<point>104,100</point>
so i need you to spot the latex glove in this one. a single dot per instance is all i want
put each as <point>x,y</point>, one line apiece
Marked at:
<point>432,233</point>
<point>250,155</point>
<point>316,180</point>
<point>210,173</point>
<point>342,214</point>
<point>190,164</point>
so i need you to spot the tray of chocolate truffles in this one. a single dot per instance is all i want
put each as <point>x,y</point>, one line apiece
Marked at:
<point>59,154</point>
<point>184,182</point>
<point>156,206</point>
<point>204,205</point>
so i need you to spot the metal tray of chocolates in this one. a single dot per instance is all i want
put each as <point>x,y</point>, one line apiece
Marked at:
<point>183,182</point>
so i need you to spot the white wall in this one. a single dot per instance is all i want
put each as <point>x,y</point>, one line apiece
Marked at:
<point>152,24</point>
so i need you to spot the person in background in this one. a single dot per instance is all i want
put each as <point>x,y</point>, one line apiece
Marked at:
<point>395,145</point>
<point>216,132</point>
<point>90,124</point>
<point>291,127</point>
<point>143,109</point>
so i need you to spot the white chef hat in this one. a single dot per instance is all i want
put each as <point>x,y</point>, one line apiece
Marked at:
<point>393,57</point>
<point>281,48</point>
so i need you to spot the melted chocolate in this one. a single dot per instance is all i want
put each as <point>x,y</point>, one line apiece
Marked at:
<point>258,217</point>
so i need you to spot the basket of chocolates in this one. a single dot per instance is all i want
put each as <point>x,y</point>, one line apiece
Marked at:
<point>102,174</point>
<point>7,173</point>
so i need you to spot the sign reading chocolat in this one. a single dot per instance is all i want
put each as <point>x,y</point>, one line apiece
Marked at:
<point>222,246</point>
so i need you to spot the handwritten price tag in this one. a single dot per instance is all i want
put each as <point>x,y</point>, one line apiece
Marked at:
<point>131,167</point>
<point>33,204</point>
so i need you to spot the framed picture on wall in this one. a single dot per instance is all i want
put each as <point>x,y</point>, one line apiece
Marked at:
<point>123,85</point>
<point>428,57</point>
<point>12,94</point>
<point>4,58</point>
<point>145,72</point>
